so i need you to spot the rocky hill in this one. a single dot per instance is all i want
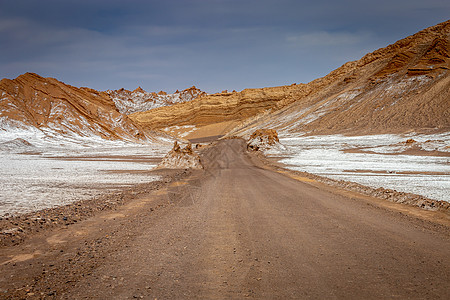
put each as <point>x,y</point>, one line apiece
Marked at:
<point>403,87</point>
<point>31,102</point>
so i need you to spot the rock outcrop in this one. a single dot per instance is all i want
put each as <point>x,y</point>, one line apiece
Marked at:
<point>181,158</point>
<point>265,140</point>
<point>217,108</point>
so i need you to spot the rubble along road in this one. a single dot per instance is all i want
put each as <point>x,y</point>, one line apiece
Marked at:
<point>235,230</point>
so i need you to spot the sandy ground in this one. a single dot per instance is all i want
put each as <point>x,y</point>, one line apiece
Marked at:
<point>238,229</point>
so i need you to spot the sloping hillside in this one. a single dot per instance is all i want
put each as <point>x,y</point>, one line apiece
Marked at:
<point>402,87</point>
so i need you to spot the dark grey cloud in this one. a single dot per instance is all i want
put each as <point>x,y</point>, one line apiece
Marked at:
<point>214,44</point>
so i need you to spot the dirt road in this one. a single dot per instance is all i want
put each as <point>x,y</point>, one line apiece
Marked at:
<point>234,231</point>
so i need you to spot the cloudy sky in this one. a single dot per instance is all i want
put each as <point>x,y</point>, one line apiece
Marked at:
<point>213,44</point>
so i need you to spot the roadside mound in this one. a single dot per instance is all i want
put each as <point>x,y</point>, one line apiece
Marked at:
<point>179,158</point>
<point>265,140</point>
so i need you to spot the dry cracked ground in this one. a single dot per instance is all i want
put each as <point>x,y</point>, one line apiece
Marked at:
<point>237,229</point>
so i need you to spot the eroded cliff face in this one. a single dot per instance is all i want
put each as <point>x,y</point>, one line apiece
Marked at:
<point>220,107</point>
<point>31,101</point>
<point>402,87</point>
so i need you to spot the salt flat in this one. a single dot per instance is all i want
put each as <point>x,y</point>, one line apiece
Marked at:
<point>47,177</point>
<point>378,161</point>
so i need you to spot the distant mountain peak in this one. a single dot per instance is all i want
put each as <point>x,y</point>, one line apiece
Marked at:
<point>139,90</point>
<point>139,100</point>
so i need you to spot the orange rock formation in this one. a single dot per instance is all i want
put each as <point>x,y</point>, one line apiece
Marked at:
<point>402,87</point>
<point>33,101</point>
